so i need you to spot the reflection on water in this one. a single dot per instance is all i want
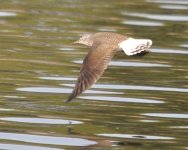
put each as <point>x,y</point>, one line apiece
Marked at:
<point>158,16</point>
<point>24,147</point>
<point>149,120</point>
<point>135,87</point>
<point>121,99</point>
<point>131,64</point>
<point>60,90</point>
<point>6,109</point>
<point>40,120</point>
<point>137,136</point>
<point>169,1</point>
<point>58,78</point>
<point>7,14</point>
<point>174,7</point>
<point>46,139</point>
<point>167,115</point>
<point>168,51</point>
<point>107,29</point>
<point>180,127</point>
<point>184,45</point>
<point>67,49</point>
<point>13,97</point>
<point>142,23</point>
<point>38,68</point>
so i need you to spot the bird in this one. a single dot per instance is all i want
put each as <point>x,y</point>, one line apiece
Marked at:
<point>103,47</point>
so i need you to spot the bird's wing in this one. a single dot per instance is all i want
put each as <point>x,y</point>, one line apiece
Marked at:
<point>93,67</point>
<point>135,46</point>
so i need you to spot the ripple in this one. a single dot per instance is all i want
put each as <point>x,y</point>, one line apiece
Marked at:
<point>122,99</point>
<point>180,127</point>
<point>131,64</point>
<point>24,147</point>
<point>135,87</point>
<point>158,16</point>
<point>136,64</point>
<point>67,49</point>
<point>167,115</point>
<point>181,7</point>
<point>168,1</point>
<point>6,109</point>
<point>144,120</point>
<point>184,45</point>
<point>40,139</point>
<point>137,136</point>
<point>7,14</point>
<point>169,51</point>
<point>107,29</point>
<point>12,96</point>
<point>142,23</point>
<point>58,78</point>
<point>60,90</point>
<point>40,120</point>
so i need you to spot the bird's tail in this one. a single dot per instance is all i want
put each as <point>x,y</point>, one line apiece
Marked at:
<point>135,46</point>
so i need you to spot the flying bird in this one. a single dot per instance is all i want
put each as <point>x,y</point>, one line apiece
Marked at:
<point>103,47</point>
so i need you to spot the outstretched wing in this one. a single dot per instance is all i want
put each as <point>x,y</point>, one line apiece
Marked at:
<point>135,46</point>
<point>93,67</point>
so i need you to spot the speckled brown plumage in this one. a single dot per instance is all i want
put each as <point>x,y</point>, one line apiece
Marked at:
<point>103,47</point>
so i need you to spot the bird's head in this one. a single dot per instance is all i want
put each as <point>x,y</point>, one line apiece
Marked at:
<point>85,40</point>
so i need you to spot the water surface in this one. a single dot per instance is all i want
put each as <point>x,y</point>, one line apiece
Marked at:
<point>139,102</point>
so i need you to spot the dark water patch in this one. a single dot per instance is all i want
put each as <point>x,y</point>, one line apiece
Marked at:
<point>143,23</point>
<point>122,99</point>
<point>167,115</point>
<point>4,146</point>
<point>137,136</point>
<point>60,90</point>
<point>34,61</point>
<point>52,140</point>
<point>40,120</point>
<point>45,29</point>
<point>164,17</point>
<point>131,64</point>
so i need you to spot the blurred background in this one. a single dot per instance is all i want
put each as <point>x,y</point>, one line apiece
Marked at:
<point>139,103</point>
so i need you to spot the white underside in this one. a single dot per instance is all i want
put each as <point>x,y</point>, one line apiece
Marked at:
<point>134,46</point>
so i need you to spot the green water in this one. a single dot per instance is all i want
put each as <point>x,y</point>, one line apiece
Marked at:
<point>140,103</point>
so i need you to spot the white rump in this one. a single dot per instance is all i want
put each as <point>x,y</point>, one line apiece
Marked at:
<point>134,46</point>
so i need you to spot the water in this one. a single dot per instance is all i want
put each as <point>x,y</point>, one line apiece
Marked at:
<point>139,103</point>
<point>40,120</point>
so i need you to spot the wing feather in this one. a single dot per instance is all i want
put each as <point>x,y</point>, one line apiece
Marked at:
<point>92,68</point>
